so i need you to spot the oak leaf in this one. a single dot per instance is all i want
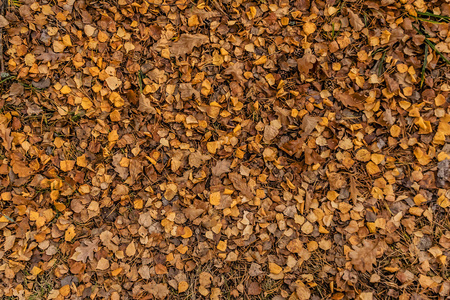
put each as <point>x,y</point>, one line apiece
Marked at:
<point>85,250</point>
<point>363,258</point>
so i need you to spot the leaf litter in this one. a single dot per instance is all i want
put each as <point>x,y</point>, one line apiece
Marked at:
<point>225,149</point>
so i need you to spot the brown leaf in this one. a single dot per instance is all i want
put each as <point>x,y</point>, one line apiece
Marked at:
<point>352,101</point>
<point>3,22</point>
<point>254,288</point>
<point>21,169</point>
<point>355,20</point>
<point>197,159</point>
<point>221,167</point>
<point>83,252</point>
<point>145,105</point>
<point>155,32</point>
<point>159,291</point>
<point>186,43</point>
<point>255,270</point>
<point>363,258</point>
<point>193,213</point>
<point>240,184</point>
<point>236,71</point>
<point>309,124</point>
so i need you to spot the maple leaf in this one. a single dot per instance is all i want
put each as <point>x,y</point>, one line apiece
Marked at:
<point>83,252</point>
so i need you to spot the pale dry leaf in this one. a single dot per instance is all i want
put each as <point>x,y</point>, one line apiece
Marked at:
<point>363,258</point>
<point>85,250</point>
<point>3,22</point>
<point>221,167</point>
<point>355,20</point>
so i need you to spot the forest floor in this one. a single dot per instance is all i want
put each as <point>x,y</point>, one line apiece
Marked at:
<point>225,149</point>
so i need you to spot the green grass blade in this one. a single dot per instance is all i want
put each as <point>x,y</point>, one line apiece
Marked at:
<point>431,21</point>
<point>428,14</point>
<point>380,66</point>
<point>437,51</point>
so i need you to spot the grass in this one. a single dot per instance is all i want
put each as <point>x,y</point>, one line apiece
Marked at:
<point>428,42</point>
<point>444,19</point>
<point>42,285</point>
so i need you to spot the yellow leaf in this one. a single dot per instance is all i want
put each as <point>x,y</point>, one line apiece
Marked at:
<point>113,136</point>
<point>115,116</point>
<point>214,198</point>
<point>377,158</point>
<point>187,233</point>
<point>59,206</point>
<point>222,246</point>
<point>439,100</point>
<point>395,130</point>
<point>66,165</point>
<point>212,147</point>
<point>419,199</point>
<point>252,13</point>
<point>309,28</point>
<point>372,168</point>
<point>193,21</point>
<point>58,47</point>
<point>443,202</point>
<point>70,233</point>
<point>29,59</point>
<point>182,249</point>
<point>65,90</point>
<point>260,61</point>
<point>270,79</point>
<point>402,68</point>
<point>35,271</point>
<point>275,269</point>
<point>86,103</point>
<point>81,161</point>
<point>116,99</point>
<point>66,41</point>
<point>116,271</point>
<point>182,286</point>
<point>332,195</point>
<point>65,290</point>
<point>362,155</point>
<point>138,204</point>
